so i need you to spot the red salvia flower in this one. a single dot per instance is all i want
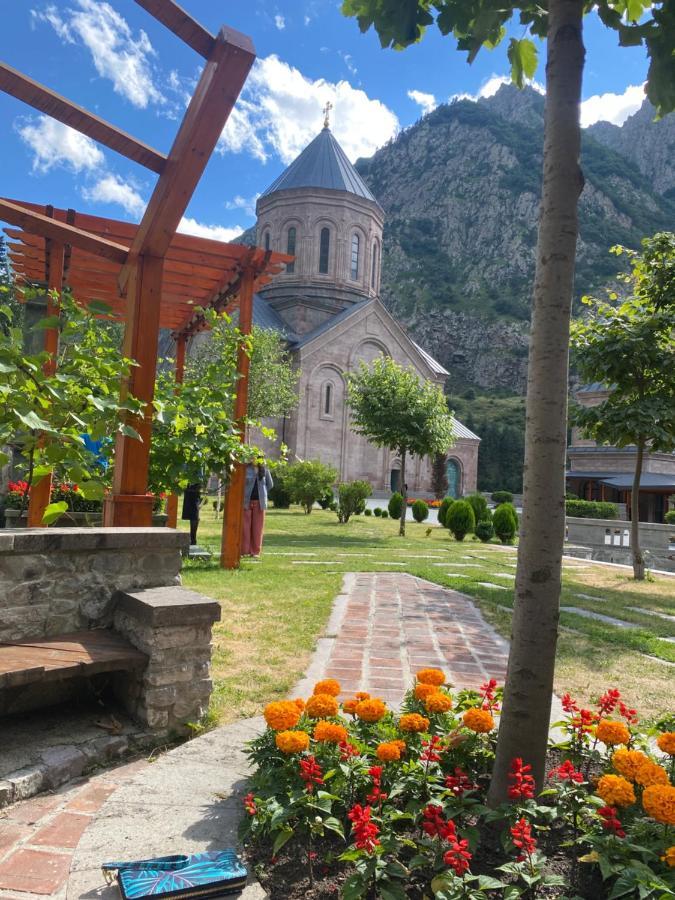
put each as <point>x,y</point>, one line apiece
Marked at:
<point>434,823</point>
<point>608,701</point>
<point>432,750</point>
<point>347,750</point>
<point>521,835</point>
<point>584,721</point>
<point>249,805</point>
<point>310,772</point>
<point>568,704</point>
<point>566,772</point>
<point>460,783</point>
<point>521,782</point>
<point>629,714</point>
<point>457,856</point>
<point>376,796</point>
<point>611,821</point>
<point>365,831</point>
<point>488,691</point>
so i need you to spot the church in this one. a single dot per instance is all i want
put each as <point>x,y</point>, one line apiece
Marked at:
<point>327,306</point>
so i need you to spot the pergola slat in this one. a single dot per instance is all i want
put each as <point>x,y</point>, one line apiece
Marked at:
<point>181,23</point>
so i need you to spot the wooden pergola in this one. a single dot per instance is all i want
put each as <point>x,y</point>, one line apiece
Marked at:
<point>149,273</point>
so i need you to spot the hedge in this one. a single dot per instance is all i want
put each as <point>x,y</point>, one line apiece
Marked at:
<point>591,509</point>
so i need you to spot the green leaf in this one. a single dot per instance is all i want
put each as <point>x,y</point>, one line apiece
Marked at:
<point>128,431</point>
<point>522,55</point>
<point>33,421</point>
<point>53,512</point>
<point>6,368</point>
<point>353,888</point>
<point>486,883</point>
<point>92,490</point>
<point>282,838</point>
<point>333,824</point>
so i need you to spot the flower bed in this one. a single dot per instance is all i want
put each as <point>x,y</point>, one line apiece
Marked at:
<point>358,801</point>
<point>432,504</point>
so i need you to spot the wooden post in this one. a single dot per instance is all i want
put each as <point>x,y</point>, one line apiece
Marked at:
<point>172,502</point>
<point>233,507</point>
<point>129,504</point>
<point>40,493</point>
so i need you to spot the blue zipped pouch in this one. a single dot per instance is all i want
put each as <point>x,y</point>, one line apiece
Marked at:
<point>212,873</point>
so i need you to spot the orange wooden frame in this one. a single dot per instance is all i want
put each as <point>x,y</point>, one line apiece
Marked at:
<point>154,275</point>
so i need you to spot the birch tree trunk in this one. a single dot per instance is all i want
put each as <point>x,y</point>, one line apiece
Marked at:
<point>526,711</point>
<point>404,491</point>
<point>638,559</point>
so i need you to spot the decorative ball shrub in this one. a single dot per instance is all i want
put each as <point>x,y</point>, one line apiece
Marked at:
<point>385,514</point>
<point>478,505</point>
<point>505,522</point>
<point>367,512</point>
<point>420,511</point>
<point>395,505</point>
<point>460,519</point>
<point>443,508</point>
<point>485,530</point>
<point>377,511</point>
<point>502,497</point>
<point>669,517</point>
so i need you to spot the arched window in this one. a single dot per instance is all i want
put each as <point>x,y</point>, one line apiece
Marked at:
<point>290,249</point>
<point>324,248</point>
<point>355,257</point>
<point>373,269</point>
<point>266,240</point>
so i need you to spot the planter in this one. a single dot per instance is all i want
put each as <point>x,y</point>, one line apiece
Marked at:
<point>14,518</point>
<point>159,520</point>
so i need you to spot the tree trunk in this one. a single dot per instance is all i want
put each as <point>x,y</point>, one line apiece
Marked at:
<point>525,717</point>
<point>404,491</point>
<point>638,559</point>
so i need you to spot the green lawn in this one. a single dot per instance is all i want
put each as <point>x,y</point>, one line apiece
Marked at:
<point>274,610</point>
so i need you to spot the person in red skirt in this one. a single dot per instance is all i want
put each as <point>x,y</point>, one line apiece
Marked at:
<point>258,483</point>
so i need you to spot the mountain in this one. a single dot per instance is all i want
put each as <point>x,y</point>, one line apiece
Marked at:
<point>460,190</point>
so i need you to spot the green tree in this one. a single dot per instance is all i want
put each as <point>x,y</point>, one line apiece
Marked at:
<point>308,481</point>
<point>393,408</point>
<point>630,346</point>
<point>505,522</point>
<point>439,475</point>
<point>460,519</point>
<point>525,718</point>
<point>352,498</point>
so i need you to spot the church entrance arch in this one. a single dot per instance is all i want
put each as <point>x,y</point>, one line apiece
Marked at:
<point>395,480</point>
<point>454,475</point>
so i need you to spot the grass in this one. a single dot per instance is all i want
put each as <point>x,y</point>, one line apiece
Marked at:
<point>274,610</point>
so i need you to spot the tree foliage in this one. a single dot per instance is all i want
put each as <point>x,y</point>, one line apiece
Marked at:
<point>308,481</point>
<point>439,476</point>
<point>460,519</point>
<point>392,407</point>
<point>352,498</point>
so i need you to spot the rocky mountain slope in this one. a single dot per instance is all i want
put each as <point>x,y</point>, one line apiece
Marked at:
<point>460,190</point>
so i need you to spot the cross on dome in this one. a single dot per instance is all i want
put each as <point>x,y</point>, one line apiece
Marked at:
<point>326,113</point>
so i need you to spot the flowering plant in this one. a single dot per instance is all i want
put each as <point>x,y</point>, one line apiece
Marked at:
<point>398,799</point>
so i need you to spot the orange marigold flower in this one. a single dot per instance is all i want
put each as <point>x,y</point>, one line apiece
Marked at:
<point>422,691</point>
<point>413,722</point>
<point>330,733</point>
<point>349,706</point>
<point>615,790</point>
<point>658,801</point>
<point>292,741</point>
<point>650,773</point>
<point>281,715</point>
<point>327,686</point>
<point>362,695</point>
<point>322,706</point>
<point>628,762</point>
<point>431,676</point>
<point>478,720</point>
<point>371,710</point>
<point>669,857</point>
<point>611,732</point>
<point>401,745</point>
<point>438,702</point>
<point>300,703</point>
<point>666,742</point>
<point>389,751</point>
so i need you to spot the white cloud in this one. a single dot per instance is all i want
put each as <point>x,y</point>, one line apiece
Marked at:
<point>280,22</point>
<point>307,20</point>
<point>216,232</point>
<point>280,111</point>
<point>348,60</point>
<point>615,108</point>
<point>54,144</point>
<point>116,53</point>
<point>110,188</point>
<point>492,84</point>
<point>427,101</point>
<point>247,204</point>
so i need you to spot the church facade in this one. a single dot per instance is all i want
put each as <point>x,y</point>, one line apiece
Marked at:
<point>328,308</point>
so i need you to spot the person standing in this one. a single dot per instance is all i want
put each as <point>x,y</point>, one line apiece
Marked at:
<point>192,500</point>
<point>258,483</point>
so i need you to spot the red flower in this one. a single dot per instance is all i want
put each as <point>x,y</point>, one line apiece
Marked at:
<point>434,823</point>
<point>376,795</point>
<point>584,721</point>
<point>249,805</point>
<point>568,704</point>
<point>458,856</point>
<point>521,835</point>
<point>431,750</point>
<point>310,772</point>
<point>566,772</point>
<point>610,821</point>
<point>608,701</point>
<point>522,783</point>
<point>460,783</point>
<point>347,750</point>
<point>629,714</point>
<point>365,831</point>
<point>488,692</point>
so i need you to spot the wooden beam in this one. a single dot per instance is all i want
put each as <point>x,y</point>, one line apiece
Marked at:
<point>172,502</point>
<point>215,95</point>
<point>57,107</point>
<point>37,223</point>
<point>181,23</point>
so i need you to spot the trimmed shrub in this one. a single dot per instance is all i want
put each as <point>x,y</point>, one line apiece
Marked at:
<point>352,498</point>
<point>591,509</point>
<point>460,519</point>
<point>501,497</point>
<point>420,511</point>
<point>326,501</point>
<point>505,523</point>
<point>309,481</point>
<point>385,514</point>
<point>443,508</point>
<point>367,512</point>
<point>280,494</point>
<point>478,505</point>
<point>669,517</point>
<point>485,530</point>
<point>395,505</point>
<point>377,511</point>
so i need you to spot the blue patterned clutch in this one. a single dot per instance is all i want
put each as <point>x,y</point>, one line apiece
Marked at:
<point>208,874</point>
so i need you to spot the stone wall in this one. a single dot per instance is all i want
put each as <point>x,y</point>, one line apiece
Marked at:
<point>609,541</point>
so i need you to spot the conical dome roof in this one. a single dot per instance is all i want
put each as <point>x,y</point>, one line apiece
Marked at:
<point>322,164</point>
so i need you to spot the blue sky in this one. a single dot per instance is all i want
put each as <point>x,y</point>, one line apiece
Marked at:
<point>115,60</point>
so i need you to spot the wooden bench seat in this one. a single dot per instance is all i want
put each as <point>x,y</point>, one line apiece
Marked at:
<point>66,656</point>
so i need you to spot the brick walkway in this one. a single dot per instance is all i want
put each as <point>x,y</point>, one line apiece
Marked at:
<point>38,837</point>
<point>390,625</point>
